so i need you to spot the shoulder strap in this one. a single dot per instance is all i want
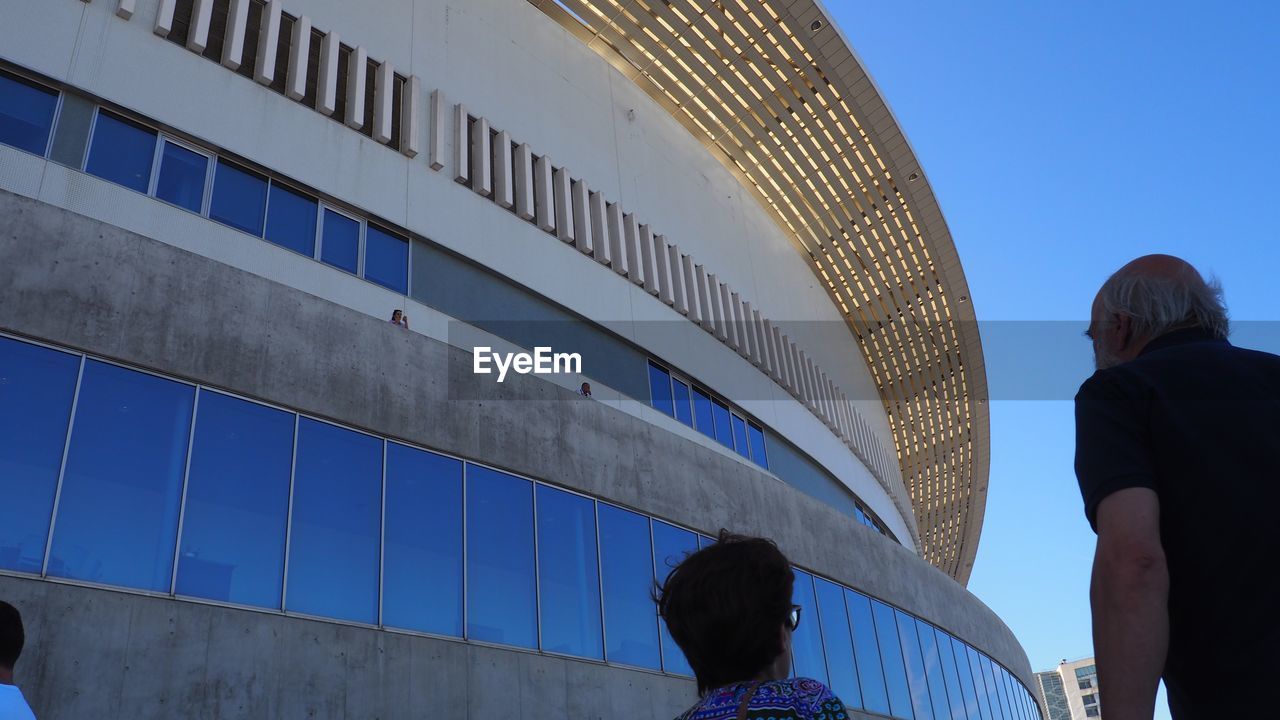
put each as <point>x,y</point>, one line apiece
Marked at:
<point>746,700</point>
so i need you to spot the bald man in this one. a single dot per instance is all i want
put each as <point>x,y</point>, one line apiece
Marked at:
<point>1178,458</point>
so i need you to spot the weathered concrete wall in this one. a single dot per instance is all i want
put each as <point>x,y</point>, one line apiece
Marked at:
<point>88,285</point>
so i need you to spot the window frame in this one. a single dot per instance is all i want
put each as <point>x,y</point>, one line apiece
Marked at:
<point>59,95</point>
<point>206,192</point>
<point>321,206</point>
<point>98,109</point>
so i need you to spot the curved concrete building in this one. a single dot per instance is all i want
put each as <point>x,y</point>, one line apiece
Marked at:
<point>234,489</point>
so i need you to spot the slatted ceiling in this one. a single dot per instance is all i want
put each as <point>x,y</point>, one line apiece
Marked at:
<point>744,83</point>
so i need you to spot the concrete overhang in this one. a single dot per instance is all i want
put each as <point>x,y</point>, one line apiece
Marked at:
<point>773,89</point>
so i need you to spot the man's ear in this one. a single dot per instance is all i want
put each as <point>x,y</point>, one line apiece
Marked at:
<point>1124,331</point>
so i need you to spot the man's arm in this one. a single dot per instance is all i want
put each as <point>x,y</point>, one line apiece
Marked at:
<point>1130,594</point>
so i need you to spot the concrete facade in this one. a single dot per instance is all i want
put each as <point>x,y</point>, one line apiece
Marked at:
<point>143,302</point>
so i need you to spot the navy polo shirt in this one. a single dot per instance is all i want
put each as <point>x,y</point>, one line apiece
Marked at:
<point>1197,420</point>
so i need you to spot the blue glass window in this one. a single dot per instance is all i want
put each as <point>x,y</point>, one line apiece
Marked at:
<point>806,642</point>
<point>121,152</point>
<point>960,656</point>
<point>680,392</point>
<point>337,510</point>
<point>756,440</point>
<point>951,675</point>
<point>916,679</point>
<point>626,567</point>
<point>895,671</point>
<point>660,389</point>
<point>239,198</point>
<point>36,388</point>
<point>702,413</point>
<point>182,176</point>
<point>118,513</point>
<point>501,590</point>
<point>724,434</point>
<point>705,541</point>
<point>26,114</point>
<point>740,436</point>
<point>568,574</point>
<point>422,555</point>
<point>979,684</point>
<point>866,650</point>
<point>386,259</point>
<point>237,502</point>
<point>1006,688</point>
<point>340,241</point>
<point>291,220</point>
<point>670,547</point>
<point>933,671</point>
<point>993,689</point>
<point>837,642</point>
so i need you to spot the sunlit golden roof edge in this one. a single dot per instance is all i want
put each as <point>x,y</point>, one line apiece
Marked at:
<point>790,89</point>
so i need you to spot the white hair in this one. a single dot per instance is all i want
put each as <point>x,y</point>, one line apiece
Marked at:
<point>1157,305</point>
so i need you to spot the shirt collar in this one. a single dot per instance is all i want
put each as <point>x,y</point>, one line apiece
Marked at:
<point>1181,337</point>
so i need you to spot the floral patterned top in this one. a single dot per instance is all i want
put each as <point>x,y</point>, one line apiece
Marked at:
<point>794,699</point>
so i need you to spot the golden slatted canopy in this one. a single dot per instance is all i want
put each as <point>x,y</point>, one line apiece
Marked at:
<point>776,93</point>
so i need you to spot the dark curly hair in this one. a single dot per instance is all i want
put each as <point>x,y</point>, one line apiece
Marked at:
<point>725,606</point>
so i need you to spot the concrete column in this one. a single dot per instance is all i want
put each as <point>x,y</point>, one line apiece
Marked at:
<point>264,71</point>
<point>503,183</point>
<point>198,33</point>
<point>383,101</point>
<point>327,78</point>
<point>233,40</point>
<point>299,54</point>
<point>411,117</point>
<point>356,80</point>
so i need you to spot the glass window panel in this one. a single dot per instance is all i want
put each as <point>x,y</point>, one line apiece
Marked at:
<point>684,412</point>
<point>960,655</point>
<point>422,553</point>
<point>118,512</point>
<point>291,220</point>
<point>121,152</point>
<point>337,511</point>
<point>386,259</point>
<point>630,616</point>
<point>916,679</point>
<point>875,697</point>
<point>182,175</point>
<point>239,198</point>
<point>895,671</point>
<point>724,434</point>
<point>670,546</point>
<point>933,671</point>
<point>837,642</point>
<point>1002,691</point>
<point>756,440</point>
<point>36,390</point>
<point>660,389</point>
<point>568,574</point>
<point>702,413</point>
<point>1011,695</point>
<point>993,690</point>
<point>806,642</point>
<point>233,529</point>
<point>501,589</point>
<point>26,114</point>
<point>951,676</point>
<point>740,436</point>
<point>979,683</point>
<point>340,241</point>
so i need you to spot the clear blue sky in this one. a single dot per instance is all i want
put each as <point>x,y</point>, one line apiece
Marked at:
<point>1062,140</point>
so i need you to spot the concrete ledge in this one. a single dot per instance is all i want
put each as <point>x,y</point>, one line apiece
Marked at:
<point>85,284</point>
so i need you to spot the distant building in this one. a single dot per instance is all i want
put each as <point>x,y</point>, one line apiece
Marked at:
<point>1071,691</point>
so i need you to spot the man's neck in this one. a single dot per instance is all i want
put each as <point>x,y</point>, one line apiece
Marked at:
<point>6,676</point>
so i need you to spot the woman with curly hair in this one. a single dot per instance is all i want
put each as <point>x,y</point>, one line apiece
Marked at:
<point>728,607</point>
